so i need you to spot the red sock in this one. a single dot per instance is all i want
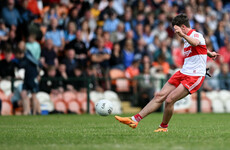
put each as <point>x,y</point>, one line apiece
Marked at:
<point>138,117</point>
<point>164,125</point>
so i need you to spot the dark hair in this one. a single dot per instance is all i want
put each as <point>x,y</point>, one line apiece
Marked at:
<point>181,19</point>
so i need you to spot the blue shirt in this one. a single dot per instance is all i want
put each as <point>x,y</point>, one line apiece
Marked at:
<point>128,58</point>
<point>69,37</point>
<point>11,17</point>
<point>111,25</point>
<point>55,36</point>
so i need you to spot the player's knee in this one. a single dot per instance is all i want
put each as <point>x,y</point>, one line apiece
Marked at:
<point>160,97</point>
<point>169,101</point>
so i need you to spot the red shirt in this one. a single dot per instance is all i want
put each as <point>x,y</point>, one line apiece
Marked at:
<point>224,55</point>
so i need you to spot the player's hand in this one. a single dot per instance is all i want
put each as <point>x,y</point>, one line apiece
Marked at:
<point>178,31</point>
<point>213,55</point>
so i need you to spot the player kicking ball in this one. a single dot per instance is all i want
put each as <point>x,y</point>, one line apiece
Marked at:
<point>186,81</point>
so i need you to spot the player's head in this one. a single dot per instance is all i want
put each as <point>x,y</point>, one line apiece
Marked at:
<point>182,21</point>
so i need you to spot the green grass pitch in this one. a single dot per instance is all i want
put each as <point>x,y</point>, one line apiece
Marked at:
<point>79,132</point>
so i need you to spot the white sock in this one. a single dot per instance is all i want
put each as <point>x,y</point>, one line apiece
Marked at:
<point>133,118</point>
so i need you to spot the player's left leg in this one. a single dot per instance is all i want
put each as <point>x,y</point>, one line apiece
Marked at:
<point>179,93</point>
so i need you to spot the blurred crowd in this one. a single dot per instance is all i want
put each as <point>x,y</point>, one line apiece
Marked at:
<point>80,39</point>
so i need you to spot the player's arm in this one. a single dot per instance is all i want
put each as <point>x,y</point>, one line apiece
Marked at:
<point>190,40</point>
<point>212,55</point>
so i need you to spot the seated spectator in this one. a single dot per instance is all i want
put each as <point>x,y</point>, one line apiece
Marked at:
<point>224,77</point>
<point>14,19</point>
<point>147,36</point>
<point>225,52</point>
<point>12,40</point>
<point>3,32</point>
<point>33,46</point>
<point>70,61</point>
<point>141,49</point>
<point>48,82</point>
<point>128,53</point>
<point>80,80</point>
<point>132,70</point>
<point>61,72</point>
<point>116,60</point>
<point>7,66</point>
<point>161,65</point>
<point>86,33</point>
<point>100,55</point>
<point>70,34</point>
<point>166,51</point>
<point>160,31</point>
<point>110,24</point>
<point>56,35</point>
<point>108,43</point>
<point>119,34</point>
<point>212,83</point>
<point>51,14</point>
<point>80,49</point>
<point>48,55</point>
<point>94,10</point>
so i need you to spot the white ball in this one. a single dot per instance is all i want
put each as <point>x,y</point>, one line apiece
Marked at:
<point>104,107</point>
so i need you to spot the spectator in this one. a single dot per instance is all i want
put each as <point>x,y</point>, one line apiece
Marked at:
<point>33,46</point>
<point>224,77</point>
<point>3,32</point>
<point>128,53</point>
<point>160,32</point>
<point>132,70</point>
<point>220,34</point>
<point>48,55</point>
<point>225,52</point>
<point>166,51</point>
<point>30,64</point>
<point>80,49</point>
<point>161,65</point>
<point>108,43</point>
<point>86,34</point>
<point>111,23</point>
<point>80,80</point>
<point>7,66</point>
<point>70,61</point>
<point>61,73</point>
<point>12,40</point>
<point>48,82</point>
<point>56,35</point>
<point>100,55</point>
<point>70,34</point>
<point>119,34</point>
<point>10,14</point>
<point>116,57</point>
<point>147,36</point>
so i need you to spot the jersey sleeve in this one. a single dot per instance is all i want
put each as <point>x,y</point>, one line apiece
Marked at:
<point>199,37</point>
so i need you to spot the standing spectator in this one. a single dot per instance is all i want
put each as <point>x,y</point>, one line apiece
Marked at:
<point>10,14</point>
<point>33,46</point>
<point>80,49</point>
<point>56,35</point>
<point>30,64</point>
<point>224,77</point>
<point>128,53</point>
<point>48,55</point>
<point>70,61</point>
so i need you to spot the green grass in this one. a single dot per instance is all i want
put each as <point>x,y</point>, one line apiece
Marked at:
<point>77,132</point>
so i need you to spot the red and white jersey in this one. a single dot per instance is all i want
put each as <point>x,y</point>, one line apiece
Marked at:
<point>195,56</point>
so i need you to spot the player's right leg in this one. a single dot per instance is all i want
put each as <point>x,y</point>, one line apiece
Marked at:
<point>152,106</point>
